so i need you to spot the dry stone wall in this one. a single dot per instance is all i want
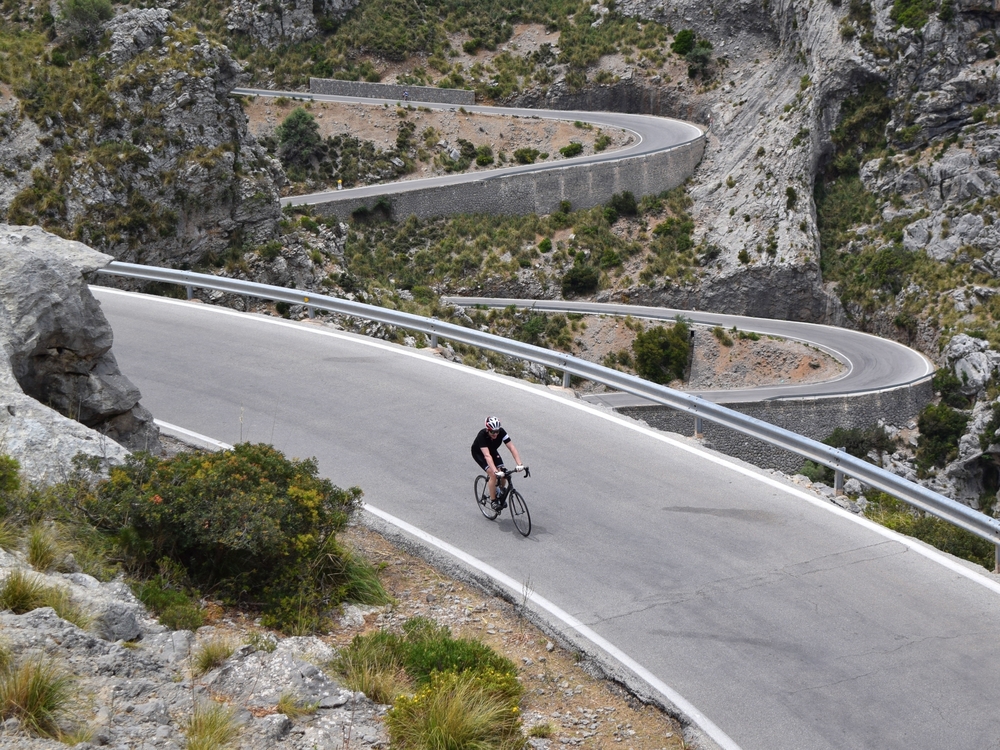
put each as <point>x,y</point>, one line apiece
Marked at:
<point>815,418</point>
<point>331,87</point>
<point>584,185</point>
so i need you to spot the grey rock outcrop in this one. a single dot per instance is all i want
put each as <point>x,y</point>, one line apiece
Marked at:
<point>139,688</point>
<point>973,362</point>
<point>283,22</point>
<point>61,391</point>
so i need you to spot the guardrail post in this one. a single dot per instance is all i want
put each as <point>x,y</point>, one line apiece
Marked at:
<point>566,377</point>
<point>190,291</point>
<point>838,478</point>
<point>434,341</point>
<point>311,310</point>
<point>996,558</point>
<point>698,428</point>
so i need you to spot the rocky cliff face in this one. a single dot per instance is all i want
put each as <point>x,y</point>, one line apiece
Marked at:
<point>61,392</point>
<point>286,21</point>
<point>160,167</point>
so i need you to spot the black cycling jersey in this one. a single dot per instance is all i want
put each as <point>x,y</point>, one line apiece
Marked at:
<point>483,440</point>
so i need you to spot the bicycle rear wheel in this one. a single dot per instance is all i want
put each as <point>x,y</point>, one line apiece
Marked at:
<point>482,491</point>
<point>519,512</point>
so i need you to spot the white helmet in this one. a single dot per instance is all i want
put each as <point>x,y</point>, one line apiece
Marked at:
<point>492,424</point>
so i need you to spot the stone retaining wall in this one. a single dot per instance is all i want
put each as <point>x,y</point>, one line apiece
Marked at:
<point>815,418</point>
<point>391,91</point>
<point>583,185</point>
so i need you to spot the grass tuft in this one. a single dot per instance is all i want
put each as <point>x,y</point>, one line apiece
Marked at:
<point>373,665</point>
<point>37,693</point>
<point>454,710</point>
<point>41,548</point>
<point>292,706</point>
<point>212,654</point>
<point>21,592</point>
<point>10,535</point>
<point>212,727</point>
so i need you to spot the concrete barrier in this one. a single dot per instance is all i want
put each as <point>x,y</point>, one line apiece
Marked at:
<point>333,87</point>
<point>813,417</point>
<point>540,192</point>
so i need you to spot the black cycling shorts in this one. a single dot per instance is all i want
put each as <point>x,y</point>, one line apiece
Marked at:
<point>481,460</point>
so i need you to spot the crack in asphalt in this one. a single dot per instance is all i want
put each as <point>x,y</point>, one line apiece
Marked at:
<point>738,584</point>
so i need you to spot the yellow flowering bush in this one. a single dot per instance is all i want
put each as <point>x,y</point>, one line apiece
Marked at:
<point>248,524</point>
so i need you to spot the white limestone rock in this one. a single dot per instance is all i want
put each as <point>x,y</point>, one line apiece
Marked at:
<point>55,356</point>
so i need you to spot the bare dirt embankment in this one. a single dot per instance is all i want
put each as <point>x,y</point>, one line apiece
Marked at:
<point>744,363</point>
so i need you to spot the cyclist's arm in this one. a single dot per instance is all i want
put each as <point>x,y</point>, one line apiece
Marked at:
<point>514,453</point>
<point>489,460</point>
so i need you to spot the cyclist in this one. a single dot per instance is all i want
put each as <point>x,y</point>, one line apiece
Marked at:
<point>485,450</point>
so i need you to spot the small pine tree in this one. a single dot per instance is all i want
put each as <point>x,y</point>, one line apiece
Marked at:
<point>299,142</point>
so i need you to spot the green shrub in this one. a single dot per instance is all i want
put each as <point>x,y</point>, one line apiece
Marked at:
<point>940,429</point>
<point>602,141</point>
<point>817,472</point>
<point>247,523</point>
<point>723,338</point>
<point>573,149</point>
<point>859,441</point>
<point>989,434</point>
<point>791,198</point>
<point>545,246</point>
<point>913,14</point>
<point>699,58</point>
<point>167,595</point>
<point>947,385</point>
<point>624,203</point>
<point>10,475</point>
<point>484,156</point>
<point>683,42</point>
<point>299,139</point>
<point>580,279</point>
<point>430,648</point>
<point>898,516</point>
<point>526,155</point>
<point>661,354</point>
<point>83,18</point>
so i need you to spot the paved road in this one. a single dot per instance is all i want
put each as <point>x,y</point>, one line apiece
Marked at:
<point>788,623</point>
<point>873,363</point>
<point>651,134</point>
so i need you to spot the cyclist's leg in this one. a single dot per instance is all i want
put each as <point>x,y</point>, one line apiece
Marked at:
<point>491,479</point>
<point>501,484</point>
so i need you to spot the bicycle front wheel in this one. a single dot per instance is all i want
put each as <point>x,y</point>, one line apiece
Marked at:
<point>519,512</point>
<point>482,490</point>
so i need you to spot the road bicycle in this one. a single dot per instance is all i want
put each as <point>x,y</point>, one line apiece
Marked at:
<point>518,508</point>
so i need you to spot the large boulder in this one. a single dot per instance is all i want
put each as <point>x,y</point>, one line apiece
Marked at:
<point>61,392</point>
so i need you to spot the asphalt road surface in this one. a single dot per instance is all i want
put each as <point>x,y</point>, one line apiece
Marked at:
<point>787,622</point>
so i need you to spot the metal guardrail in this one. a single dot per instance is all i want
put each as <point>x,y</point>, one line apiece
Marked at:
<point>841,462</point>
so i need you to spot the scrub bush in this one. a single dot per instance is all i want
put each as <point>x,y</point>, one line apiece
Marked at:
<point>247,524</point>
<point>661,354</point>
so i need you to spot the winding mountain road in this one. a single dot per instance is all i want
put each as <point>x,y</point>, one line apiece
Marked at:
<point>788,623</point>
<point>873,363</point>
<point>651,133</point>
